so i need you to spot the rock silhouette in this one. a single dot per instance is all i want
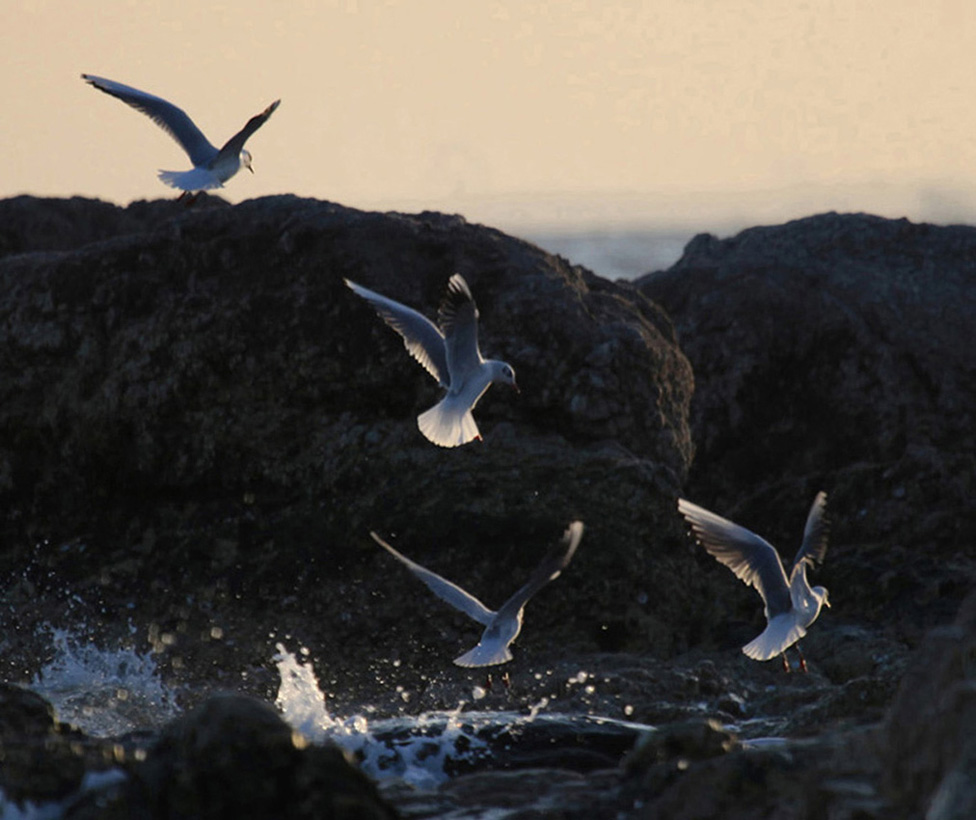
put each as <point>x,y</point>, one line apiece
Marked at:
<point>199,425</point>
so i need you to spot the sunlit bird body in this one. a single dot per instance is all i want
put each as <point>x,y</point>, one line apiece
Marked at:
<point>501,626</point>
<point>212,167</point>
<point>791,604</point>
<point>450,353</point>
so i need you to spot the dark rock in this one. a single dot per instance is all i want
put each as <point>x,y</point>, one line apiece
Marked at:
<point>930,733</point>
<point>199,424</point>
<point>838,352</point>
<point>532,793</point>
<point>205,413</point>
<point>31,224</point>
<point>235,757</point>
<point>40,758</point>
<point>788,782</point>
<point>679,743</point>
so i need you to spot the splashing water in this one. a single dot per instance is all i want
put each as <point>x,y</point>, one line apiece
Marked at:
<point>300,699</point>
<point>104,692</point>
<point>415,749</point>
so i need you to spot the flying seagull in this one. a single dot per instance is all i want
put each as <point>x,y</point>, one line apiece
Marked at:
<point>791,605</point>
<point>211,167</point>
<point>502,626</point>
<point>450,353</point>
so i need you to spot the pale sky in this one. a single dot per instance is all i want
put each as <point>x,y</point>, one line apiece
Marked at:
<point>512,111</point>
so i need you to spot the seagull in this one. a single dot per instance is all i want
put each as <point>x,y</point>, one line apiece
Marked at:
<point>791,605</point>
<point>502,626</point>
<point>211,167</point>
<point>450,353</point>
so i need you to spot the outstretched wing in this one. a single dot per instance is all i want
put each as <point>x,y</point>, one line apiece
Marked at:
<point>750,557</point>
<point>235,144</point>
<point>420,335</point>
<point>548,570</point>
<point>814,546</point>
<point>174,121</point>
<point>443,588</point>
<point>458,319</point>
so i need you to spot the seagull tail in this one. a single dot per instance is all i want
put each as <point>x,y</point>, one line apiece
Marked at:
<point>485,655</point>
<point>781,633</point>
<point>196,179</point>
<point>448,423</point>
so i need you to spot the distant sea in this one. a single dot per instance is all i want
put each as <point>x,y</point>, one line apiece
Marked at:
<point>614,253</point>
<point>625,234</point>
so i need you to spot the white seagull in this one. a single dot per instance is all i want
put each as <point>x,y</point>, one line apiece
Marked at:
<point>211,167</point>
<point>791,605</point>
<point>503,626</point>
<point>450,353</point>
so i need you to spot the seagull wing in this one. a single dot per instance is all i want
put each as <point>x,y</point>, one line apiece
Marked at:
<point>814,545</point>
<point>420,335</point>
<point>174,121</point>
<point>458,319</point>
<point>235,144</point>
<point>750,557</point>
<point>443,588</point>
<point>548,570</point>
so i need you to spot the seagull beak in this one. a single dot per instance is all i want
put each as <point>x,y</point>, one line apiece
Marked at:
<point>249,168</point>
<point>515,387</point>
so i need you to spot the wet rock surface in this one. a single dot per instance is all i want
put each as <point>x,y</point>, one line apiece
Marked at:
<point>233,756</point>
<point>199,424</point>
<point>36,750</point>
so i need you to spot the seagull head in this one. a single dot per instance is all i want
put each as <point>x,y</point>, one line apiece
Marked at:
<point>246,159</point>
<point>504,373</point>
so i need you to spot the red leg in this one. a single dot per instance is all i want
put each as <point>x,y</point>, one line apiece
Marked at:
<point>803,661</point>
<point>786,664</point>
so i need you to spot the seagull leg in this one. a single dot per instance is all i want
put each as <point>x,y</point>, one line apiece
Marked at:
<point>507,681</point>
<point>803,661</point>
<point>786,663</point>
<point>488,682</point>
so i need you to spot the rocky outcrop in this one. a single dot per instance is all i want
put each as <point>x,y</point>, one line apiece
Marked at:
<point>838,352</point>
<point>199,424</point>
<point>930,733</point>
<point>43,759</point>
<point>203,411</point>
<point>31,224</point>
<point>235,757</point>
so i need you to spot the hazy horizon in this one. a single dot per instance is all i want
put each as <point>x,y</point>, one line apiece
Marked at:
<point>534,118</point>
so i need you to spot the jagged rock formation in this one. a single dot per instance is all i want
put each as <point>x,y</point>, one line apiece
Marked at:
<point>202,410</point>
<point>838,352</point>
<point>199,424</point>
